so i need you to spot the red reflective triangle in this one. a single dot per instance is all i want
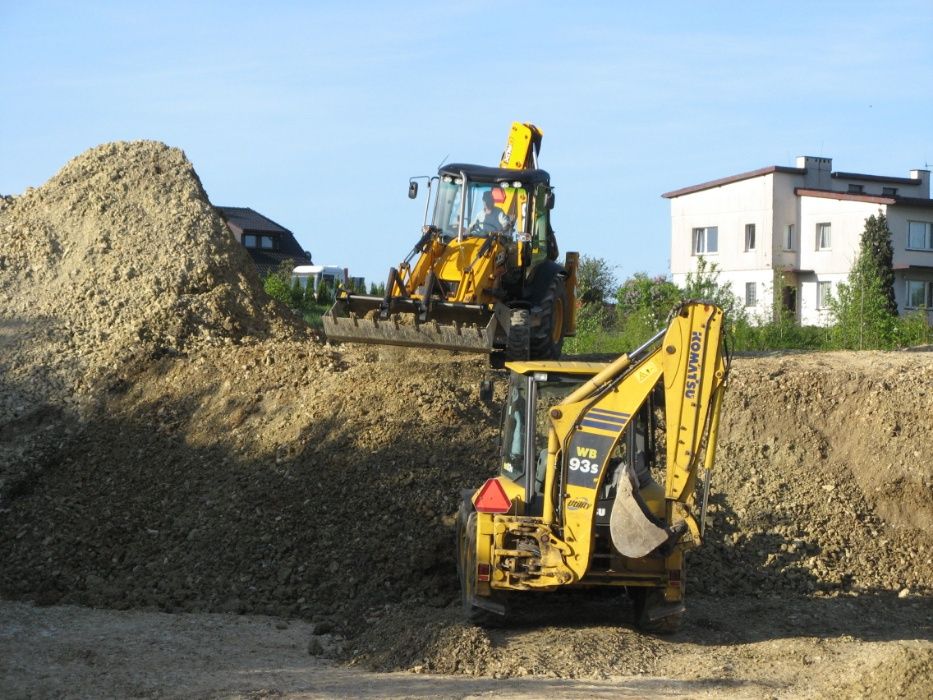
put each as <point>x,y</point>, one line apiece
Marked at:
<point>492,498</point>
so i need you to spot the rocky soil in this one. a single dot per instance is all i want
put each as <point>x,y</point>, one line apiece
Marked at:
<point>170,439</point>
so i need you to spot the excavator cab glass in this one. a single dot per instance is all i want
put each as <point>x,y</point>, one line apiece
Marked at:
<point>490,207</point>
<point>515,429</point>
<point>530,399</point>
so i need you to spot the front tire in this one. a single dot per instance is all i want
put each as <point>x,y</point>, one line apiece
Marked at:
<point>518,342</point>
<point>547,341</point>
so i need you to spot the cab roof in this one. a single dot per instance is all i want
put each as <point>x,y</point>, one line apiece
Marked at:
<point>583,369</point>
<point>480,173</point>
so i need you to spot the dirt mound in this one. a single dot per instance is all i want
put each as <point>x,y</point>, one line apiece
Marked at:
<point>118,259</point>
<point>821,490</point>
<point>172,441</point>
<point>121,251</point>
<point>823,481</point>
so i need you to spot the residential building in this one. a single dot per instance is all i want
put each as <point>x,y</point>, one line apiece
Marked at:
<point>267,243</point>
<point>791,234</point>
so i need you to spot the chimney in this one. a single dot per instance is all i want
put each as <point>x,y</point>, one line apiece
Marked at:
<point>924,177</point>
<point>818,171</point>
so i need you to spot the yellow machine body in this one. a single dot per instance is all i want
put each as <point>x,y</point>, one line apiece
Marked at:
<point>475,281</point>
<point>557,530</point>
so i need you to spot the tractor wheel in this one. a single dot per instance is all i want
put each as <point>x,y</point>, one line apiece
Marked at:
<point>646,601</point>
<point>518,342</point>
<point>548,337</point>
<point>466,566</point>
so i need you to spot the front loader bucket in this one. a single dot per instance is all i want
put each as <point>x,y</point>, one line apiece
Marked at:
<point>407,322</point>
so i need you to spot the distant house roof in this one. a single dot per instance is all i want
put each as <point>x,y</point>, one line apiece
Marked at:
<point>245,221</point>
<point>862,197</point>
<point>733,178</point>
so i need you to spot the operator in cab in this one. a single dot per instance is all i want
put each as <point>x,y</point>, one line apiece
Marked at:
<point>491,219</point>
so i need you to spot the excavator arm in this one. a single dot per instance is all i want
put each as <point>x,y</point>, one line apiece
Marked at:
<point>586,427</point>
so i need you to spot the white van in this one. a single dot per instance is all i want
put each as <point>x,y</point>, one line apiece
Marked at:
<point>316,275</point>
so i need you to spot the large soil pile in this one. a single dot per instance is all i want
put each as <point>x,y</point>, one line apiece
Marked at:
<point>117,260</point>
<point>169,439</point>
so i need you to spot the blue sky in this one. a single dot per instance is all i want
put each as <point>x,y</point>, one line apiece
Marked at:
<point>316,113</point>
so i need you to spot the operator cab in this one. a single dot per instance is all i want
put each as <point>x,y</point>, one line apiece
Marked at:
<point>532,392</point>
<point>473,200</point>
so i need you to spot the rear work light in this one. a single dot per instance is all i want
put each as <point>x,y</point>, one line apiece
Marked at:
<point>492,498</point>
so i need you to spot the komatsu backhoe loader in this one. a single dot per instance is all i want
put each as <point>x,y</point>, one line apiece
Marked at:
<point>599,482</point>
<point>484,275</point>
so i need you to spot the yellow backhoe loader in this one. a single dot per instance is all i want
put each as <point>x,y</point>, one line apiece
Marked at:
<point>484,275</point>
<point>599,483</point>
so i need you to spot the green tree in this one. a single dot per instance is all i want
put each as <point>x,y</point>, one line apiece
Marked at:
<point>863,309</point>
<point>278,283</point>
<point>876,257</point>
<point>596,280</point>
<point>642,306</point>
<point>703,283</point>
<point>649,298</point>
<point>296,295</point>
<point>325,294</point>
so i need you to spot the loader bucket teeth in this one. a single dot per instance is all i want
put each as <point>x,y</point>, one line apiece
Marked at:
<point>633,530</point>
<point>465,328</point>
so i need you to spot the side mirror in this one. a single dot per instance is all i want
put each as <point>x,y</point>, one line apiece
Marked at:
<point>412,189</point>
<point>549,201</point>
<point>485,391</point>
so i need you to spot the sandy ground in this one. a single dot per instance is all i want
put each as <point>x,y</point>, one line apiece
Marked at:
<point>74,652</point>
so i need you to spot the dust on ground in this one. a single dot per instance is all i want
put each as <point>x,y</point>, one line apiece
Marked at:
<point>172,440</point>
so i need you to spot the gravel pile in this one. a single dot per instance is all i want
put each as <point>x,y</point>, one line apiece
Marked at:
<point>117,260</point>
<point>824,482</point>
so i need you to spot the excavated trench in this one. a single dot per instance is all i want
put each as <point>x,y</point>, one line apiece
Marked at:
<point>170,439</point>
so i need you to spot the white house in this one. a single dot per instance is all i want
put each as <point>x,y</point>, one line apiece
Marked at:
<point>795,232</point>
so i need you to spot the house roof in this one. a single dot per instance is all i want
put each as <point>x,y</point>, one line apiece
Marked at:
<point>850,197</point>
<point>733,178</point>
<point>876,199</point>
<point>243,220</point>
<point>877,178</point>
<point>246,219</point>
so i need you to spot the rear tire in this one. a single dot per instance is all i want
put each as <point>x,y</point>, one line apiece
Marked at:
<point>644,602</point>
<point>466,567</point>
<point>547,341</point>
<point>518,343</point>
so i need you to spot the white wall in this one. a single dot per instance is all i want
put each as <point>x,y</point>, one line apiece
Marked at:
<point>848,221</point>
<point>898,216</point>
<point>729,208</point>
<point>808,312</point>
<point>786,211</point>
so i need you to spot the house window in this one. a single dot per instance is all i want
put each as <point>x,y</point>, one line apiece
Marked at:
<point>249,240</point>
<point>266,242</point>
<point>856,189</point>
<point>889,191</point>
<point>751,294</point>
<point>705,240</point>
<point>823,292</point>
<point>749,237</point>
<point>919,294</point>
<point>789,237</point>
<point>919,235</point>
<point>823,236</point>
